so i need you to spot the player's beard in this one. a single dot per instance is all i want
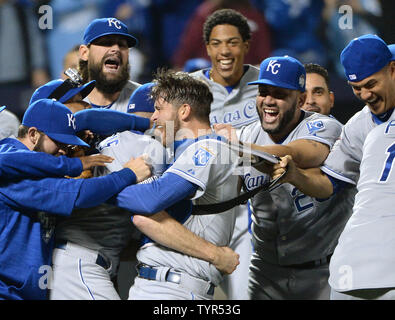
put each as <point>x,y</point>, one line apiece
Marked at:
<point>284,121</point>
<point>108,86</point>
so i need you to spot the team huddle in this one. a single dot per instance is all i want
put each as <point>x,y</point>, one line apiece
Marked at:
<point>104,168</point>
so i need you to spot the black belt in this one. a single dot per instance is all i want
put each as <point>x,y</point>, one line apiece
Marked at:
<point>311,264</point>
<point>149,273</point>
<point>100,260</point>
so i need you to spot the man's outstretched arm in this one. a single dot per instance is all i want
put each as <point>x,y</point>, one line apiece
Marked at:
<point>162,228</point>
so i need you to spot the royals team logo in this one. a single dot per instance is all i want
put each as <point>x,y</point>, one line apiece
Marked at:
<point>201,157</point>
<point>273,66</point>
<point>114,22</point>
<point>314,126</point>
<point>71,119</point>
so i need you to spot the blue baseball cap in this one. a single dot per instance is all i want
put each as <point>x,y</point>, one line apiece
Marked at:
<point>284,72</point>
<point>2,108</point>
<point>140,100</point>
<point>364,56</point>
<point>196,64</point>
<point>47,91</point>
<point>54,119</point>
<point>392,49</point>
<point>107,26</point>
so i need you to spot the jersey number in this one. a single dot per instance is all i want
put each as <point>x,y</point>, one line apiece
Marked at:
<point>301,204</point>
<point>388,163</point>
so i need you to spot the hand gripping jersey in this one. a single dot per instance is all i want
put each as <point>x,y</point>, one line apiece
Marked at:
<point>364,257</point>
<point>288,226</point>
<point>210,164</point>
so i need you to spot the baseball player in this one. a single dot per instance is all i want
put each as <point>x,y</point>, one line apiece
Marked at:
<point>203,170</point>
<point>318,96</point>
<point>291,257</point>
<point>48,126</point>
<point>369,67</point>
<point>19,163</point>
<point>227,36</point>
<point>104,57</point>
<point>103,232</point>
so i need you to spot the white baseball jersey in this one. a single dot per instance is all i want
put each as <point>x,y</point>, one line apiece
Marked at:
<point>9,124</point>
<point>106,228</point>
<point>345,157</point>
<point>365,255</point>
<point>288,226</point>
<point>237,107</point>
<point>210,165</point>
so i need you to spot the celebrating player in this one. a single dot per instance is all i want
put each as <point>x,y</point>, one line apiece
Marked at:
<point>370,70</point>
<point>104,57</point>
<point>318,96</point>
<point>227,36</point>
<point>203,164</point>
<point>288,226</point>
<point>48,126</point>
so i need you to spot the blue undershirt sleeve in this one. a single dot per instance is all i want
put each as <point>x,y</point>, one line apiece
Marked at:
<point>23,164</point>
<point>95,191</point>
<point>156,196</point>
<point>107,122</point>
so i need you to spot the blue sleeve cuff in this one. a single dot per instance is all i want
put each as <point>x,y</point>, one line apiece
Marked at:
<point>336,183</point>
<point>141,124</point>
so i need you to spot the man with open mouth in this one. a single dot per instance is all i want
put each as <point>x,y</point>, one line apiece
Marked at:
<point>293,235</point>
<point>104,57</point>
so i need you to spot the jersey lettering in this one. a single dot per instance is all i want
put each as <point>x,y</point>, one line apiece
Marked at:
<point>388,163</point>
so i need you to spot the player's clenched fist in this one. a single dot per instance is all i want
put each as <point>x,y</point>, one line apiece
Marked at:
<point>140,167</point>
<point>94,160</point>
<point>226,260</point>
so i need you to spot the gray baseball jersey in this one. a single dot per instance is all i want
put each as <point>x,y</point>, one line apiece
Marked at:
<point>210,165</point>
<point>9,124</point>
<point>364,257</point>
<point>288,226</point>
<point>345,157</point>
<point>237,107</point>
<point>106,228</point>
<point>121,104</point>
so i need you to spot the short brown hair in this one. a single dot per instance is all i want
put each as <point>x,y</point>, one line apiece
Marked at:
<point>178,88</point>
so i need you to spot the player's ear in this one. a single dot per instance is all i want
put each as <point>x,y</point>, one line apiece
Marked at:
<point>33,135</point>
<point>247,46</point>
<point>185,111</point>
<point>84,52</point>
<point>332,98</point>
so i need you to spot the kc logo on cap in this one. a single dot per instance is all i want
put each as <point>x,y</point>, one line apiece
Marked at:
<point>273,66</point>
<point>105,27</point>
<point>115,22</point>
<point>71,120</point>
<point>54,119</point>
<point>284,72</point>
